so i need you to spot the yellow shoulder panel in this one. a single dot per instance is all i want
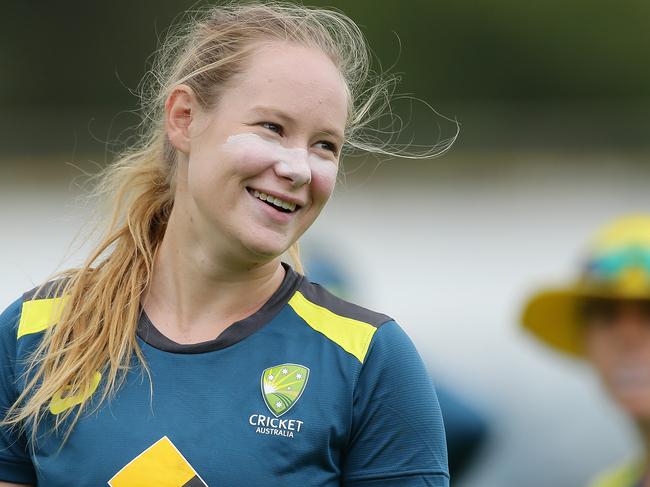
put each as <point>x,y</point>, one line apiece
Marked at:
<point>353,336</point>
<point>39,314</point>
<point>627,475</point>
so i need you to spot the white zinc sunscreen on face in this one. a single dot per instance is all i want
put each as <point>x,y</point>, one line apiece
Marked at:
<point>274,150</point>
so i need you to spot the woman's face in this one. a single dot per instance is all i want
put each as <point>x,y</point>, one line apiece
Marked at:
<point>617,339</point>
<point>261,165</point>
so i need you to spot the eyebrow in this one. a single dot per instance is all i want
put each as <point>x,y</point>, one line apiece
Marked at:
<point>285,118</point>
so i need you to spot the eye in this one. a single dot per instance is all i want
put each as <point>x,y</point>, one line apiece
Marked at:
<point>599,313</point>
<point>273,127</point>
<point>328,146</point>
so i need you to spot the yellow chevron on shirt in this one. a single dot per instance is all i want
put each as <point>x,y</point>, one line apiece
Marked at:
<point>160,465</point>
<point>39,314</point>
<point>351,335</point>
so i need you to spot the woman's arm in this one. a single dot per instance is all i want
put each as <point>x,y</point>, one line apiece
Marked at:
<point>8,484</point>
<point>397,437</point>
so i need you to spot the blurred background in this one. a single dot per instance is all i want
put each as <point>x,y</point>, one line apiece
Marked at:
<point>553,99</point>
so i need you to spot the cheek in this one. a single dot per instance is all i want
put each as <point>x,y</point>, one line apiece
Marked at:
<point>597,349</point>
<point>323,180</point>
<point>203,176</point>
<point>249,154</point>
<point>251,160</point>
<point>221,168</point>
<point>602,356</point>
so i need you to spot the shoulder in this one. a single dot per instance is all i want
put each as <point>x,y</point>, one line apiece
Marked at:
<point>351,326</point>
<point>42,307</point>
<point>9,319</point>
<point>49,290</point>
<point>625,475</point>
<point>313,295</point>
<point>32,312</point>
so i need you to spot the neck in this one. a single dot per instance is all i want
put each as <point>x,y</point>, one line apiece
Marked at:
<point>195,294</point>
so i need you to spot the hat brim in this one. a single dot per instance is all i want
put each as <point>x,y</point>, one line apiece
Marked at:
<point>552,315</point>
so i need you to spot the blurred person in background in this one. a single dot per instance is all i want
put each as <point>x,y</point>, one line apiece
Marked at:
<point>170,357</point>
<point>604,318</point>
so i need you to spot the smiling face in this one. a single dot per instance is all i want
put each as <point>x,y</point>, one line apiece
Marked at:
<point>617,342</point>
<point>260,166</point>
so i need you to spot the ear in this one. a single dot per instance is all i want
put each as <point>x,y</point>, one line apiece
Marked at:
<point>180,109</point>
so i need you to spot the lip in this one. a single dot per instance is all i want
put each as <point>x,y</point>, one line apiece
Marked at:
<point>276,216</point>
<point>299,203</point>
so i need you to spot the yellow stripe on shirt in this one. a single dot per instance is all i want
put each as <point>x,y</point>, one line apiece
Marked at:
<point>351,335</point>
<point>627,475</point>
<point>37,315</point>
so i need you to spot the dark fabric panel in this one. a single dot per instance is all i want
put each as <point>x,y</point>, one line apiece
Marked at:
<point>194,482</point>
<point>48,291</point>
<point>320,296</point>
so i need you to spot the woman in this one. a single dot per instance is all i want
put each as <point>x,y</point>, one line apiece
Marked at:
<point>184,352</point>
<point>605,318</point>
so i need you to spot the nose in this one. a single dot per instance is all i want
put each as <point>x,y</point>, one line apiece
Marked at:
<point>295,168</point>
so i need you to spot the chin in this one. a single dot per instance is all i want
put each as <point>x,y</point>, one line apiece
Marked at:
<point>267,243</point>
<point>265,250</point>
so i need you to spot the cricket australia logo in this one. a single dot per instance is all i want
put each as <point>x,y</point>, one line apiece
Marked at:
<point>282,385</point>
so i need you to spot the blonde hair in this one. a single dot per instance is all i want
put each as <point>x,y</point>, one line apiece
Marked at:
<point>96,330</point>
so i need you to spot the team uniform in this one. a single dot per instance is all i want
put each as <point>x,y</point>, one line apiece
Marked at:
<point>310,390</point>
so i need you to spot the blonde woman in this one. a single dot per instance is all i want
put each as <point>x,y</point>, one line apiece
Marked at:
<point>184,352</point>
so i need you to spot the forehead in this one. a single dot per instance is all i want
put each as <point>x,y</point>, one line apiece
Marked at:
<point>298,80</point>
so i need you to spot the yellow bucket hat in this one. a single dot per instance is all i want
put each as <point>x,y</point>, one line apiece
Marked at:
<point>617,266</point>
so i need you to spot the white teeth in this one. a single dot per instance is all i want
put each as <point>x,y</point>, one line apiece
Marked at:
<point>275,201</point>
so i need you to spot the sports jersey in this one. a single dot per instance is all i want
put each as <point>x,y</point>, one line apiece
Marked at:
<point>308,391</point>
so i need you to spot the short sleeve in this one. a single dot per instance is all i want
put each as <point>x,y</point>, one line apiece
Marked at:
<point>397,435</point>
<point>15,462</point>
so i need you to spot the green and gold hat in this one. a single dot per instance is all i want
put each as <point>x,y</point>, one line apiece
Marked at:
<point>617,266</point>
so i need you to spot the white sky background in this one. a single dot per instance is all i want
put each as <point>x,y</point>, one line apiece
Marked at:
<point>450,249</point>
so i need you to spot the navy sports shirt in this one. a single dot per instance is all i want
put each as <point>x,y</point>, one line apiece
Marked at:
<point>308,391</point>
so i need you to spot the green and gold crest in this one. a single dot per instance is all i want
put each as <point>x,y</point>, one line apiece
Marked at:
<point>282,386</point>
